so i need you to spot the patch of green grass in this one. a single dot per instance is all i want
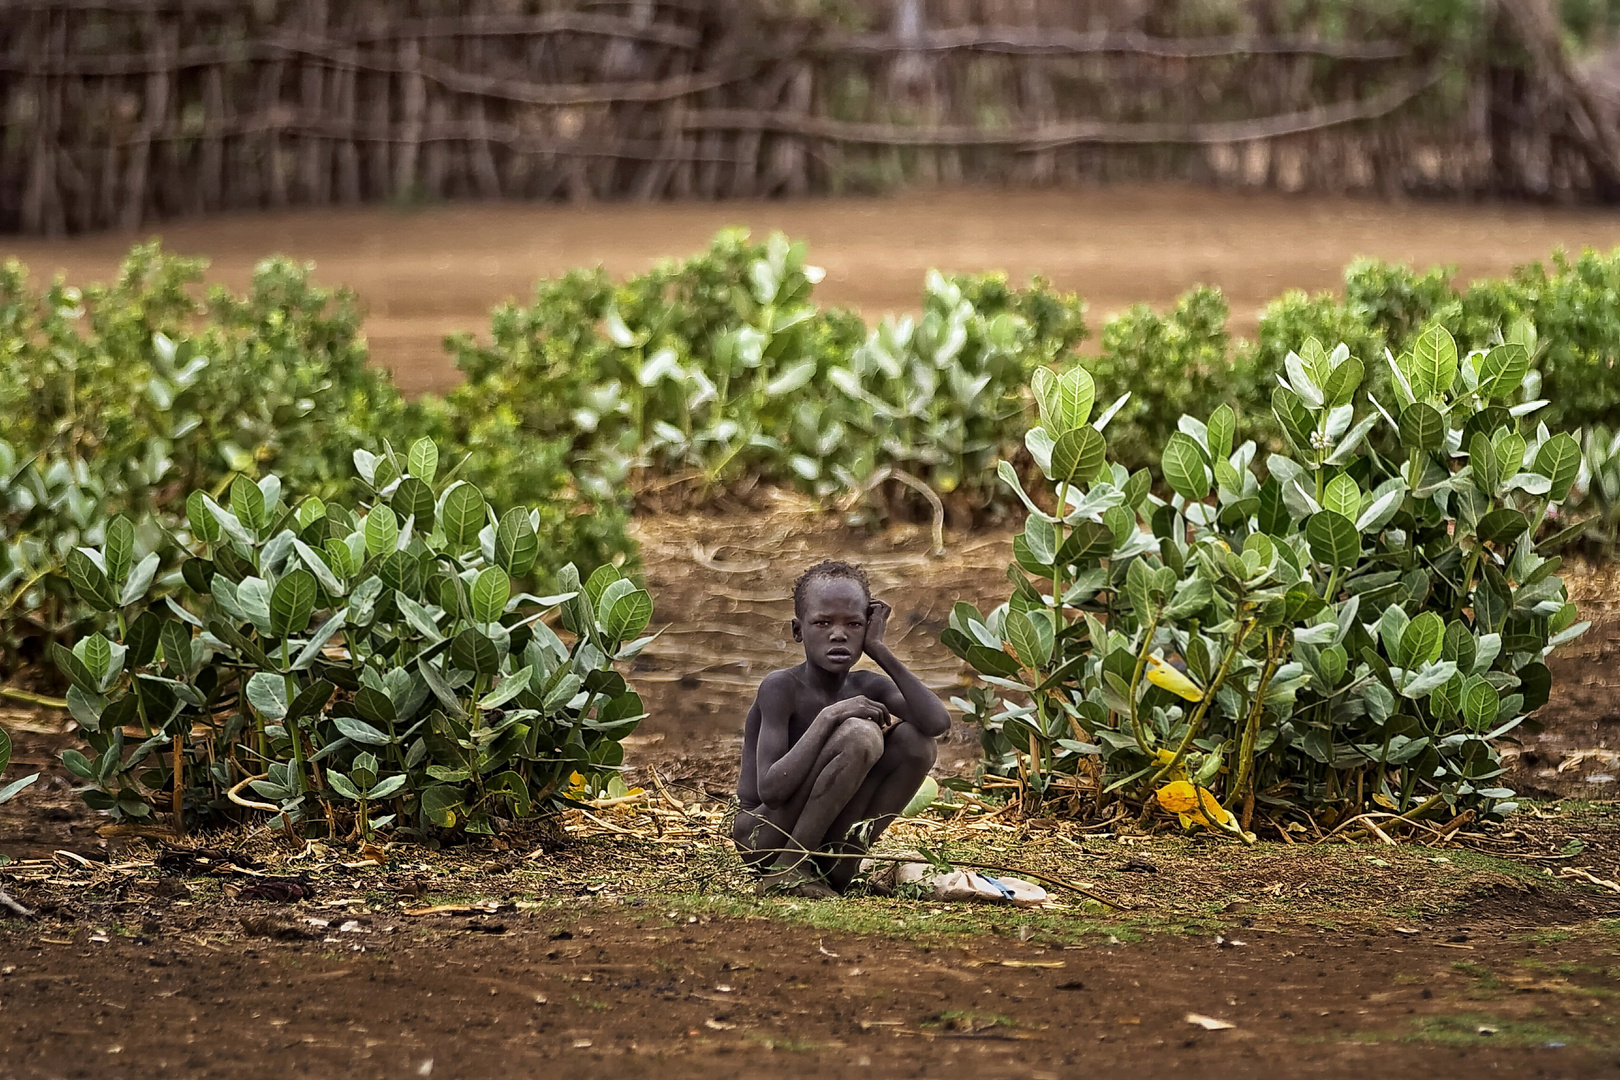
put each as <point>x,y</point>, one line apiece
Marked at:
<point>963,1020</point>
<point>1486,984</point>
<point>929,922</point>
<point>1477,1029</point>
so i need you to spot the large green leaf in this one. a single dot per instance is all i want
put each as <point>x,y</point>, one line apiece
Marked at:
<point>292,602</point>
<point>462,516</point>
<point>90,581</point>
<point>1422,641</point>
<point>413,498</point>
<point>1486,470</point>
<point>1032,648</point>
<point>1501,526</point>
<point>1433,366</point>
<point>1559,460</point>
<point>490,591</point>
<point>516,544</point>
<point>628,616</point>
<point>1293,415</point>
<point>1076,393</point>
<point>1220,431</point>
<point>1333,539</point>
<point>1340,386</point>
<point>472,651</point>
<point>1480,703</point>
<point>1184,468</point>
<point>382,531</point>
<point>1503,370</point>
<point>1422,427</point>
<point>423,460</point>
<point>203,525</point>
<point>267,693</point>
<point>1078,455</point>
<point>119,550</point>
<point>1342,496</point>
<point>247,503</point>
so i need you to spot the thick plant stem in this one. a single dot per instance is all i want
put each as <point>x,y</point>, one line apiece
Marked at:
<point>179,805</point>
<point>1196,724</point>
<point>1137,729</point>
<point>1251,730</point>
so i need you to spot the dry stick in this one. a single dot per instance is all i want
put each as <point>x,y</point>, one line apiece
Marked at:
<point>1056,41</point>
<point>889,472</point>
<point>1408,818</point>
<point>235,797</point>
<point>459,26</point>
<point>1045,136</point>
<point>30,698</point>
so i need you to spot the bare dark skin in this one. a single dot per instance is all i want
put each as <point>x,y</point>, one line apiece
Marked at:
<point>827,748</point>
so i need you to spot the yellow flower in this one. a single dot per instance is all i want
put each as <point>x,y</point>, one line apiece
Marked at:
<point>1193,805</point>
<point>1164,675</point>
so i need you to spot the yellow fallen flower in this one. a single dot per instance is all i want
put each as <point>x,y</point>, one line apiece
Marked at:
<point>1194,805</point>
<point>1167,677</point>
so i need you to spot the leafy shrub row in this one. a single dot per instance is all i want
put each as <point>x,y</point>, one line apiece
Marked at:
<point>1353,628</point>
<point>722,366</point>
<point>348,666</point>
<point>121,399</point>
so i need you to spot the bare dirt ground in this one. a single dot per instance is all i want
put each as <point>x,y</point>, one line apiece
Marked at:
<point>427,272</point>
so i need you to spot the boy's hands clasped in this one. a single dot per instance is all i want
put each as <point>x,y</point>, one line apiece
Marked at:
<point>859,707</point>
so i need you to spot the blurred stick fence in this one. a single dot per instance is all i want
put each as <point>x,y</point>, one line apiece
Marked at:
<point>119,113</point>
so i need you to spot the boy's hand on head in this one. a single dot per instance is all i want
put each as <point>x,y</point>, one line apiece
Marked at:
<point>877,621</point>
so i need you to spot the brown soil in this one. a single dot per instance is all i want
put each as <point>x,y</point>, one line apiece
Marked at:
<point>433,271</point>
<point>642,994</point>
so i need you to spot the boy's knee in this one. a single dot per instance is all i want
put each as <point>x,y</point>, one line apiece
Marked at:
<point>860,738</point>
<point>910,747</point>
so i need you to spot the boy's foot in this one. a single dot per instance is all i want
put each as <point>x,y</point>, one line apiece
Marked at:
<point>796,882</point>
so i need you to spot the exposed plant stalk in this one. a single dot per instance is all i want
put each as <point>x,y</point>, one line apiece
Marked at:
<point>1197,722</point>
<point>1251,730</point>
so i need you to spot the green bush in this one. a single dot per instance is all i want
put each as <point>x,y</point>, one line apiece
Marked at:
<point>120,399</point>
<point>722,367</point>
<point>1163,364</point>
<point>1357,630</point>
<point>353,668</point>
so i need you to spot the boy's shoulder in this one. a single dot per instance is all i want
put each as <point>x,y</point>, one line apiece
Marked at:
<point>781,679</point>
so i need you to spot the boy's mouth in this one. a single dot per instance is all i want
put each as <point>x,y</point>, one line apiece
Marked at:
<point>838,652</point>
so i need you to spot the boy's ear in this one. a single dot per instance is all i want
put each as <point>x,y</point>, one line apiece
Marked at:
<point>798,631</point>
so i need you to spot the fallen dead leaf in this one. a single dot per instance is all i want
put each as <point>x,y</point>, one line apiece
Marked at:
<point>718,1025</point>
<point>1209,1023</point>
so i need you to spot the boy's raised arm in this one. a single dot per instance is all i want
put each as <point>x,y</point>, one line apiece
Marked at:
<point>922,707</point>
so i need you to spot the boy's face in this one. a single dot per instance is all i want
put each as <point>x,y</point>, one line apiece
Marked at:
<point>833,623</point>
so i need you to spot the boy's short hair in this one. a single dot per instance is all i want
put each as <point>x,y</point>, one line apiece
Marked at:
<point>831,570</point>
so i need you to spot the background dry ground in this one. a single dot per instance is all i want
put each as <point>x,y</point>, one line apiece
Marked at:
<point>1497,958</point>
<point>427,272</point>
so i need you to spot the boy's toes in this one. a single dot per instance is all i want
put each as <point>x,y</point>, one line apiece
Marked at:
<point>795,882</point>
